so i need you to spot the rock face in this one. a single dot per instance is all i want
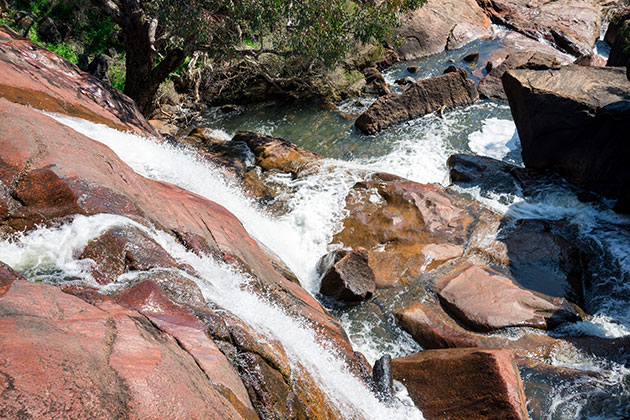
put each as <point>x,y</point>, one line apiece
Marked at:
<point>41,79</point>
<point>439,25</point>
<point>347,276</point>
<point>463,384</point>
<point>491,86</point>
<point>99,361</point>
<point>618,52</point>
<point>49,172</point>
<point>575,121</point>
<point>485,300</point>
<point>572,26</point>
<point>422,98</point>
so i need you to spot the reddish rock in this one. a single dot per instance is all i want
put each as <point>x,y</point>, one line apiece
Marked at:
<point>485,300</point>
<point>36,77</point>
<point>424,97</point>
<point>106,185</point>
<point>463,384</point>
<point>150,300</point>
<point>347,276</point>
<point>62,357</point>
<point>441,24</point>
<point>7,277</point>
<point>408,228</point>
<point>122,249</point>
<point>572,26</point>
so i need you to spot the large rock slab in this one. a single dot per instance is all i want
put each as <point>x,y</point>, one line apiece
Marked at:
<point>485,300</point>
<point>49,172</point>
<point>463,384</point>
<point>491,86</point>
<point>34,76</point>
<point>575,121</point>
<point>572,26</point>
<point>441,24</point>
<point>424,97</point>
<point>62,357</point>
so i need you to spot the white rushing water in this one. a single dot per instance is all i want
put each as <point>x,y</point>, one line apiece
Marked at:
<point>419,153</point>
<point>49,254</point>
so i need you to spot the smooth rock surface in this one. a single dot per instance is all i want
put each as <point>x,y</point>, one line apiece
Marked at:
<point>463,384</point>
<point>61,357</point>
<point>441,24</point>
<point>575,121</point>
<point>485,300</point>
<point>36,77</point>
<point>421,98</point>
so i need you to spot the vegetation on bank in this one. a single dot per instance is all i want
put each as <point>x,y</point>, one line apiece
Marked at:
<point>282,42</point>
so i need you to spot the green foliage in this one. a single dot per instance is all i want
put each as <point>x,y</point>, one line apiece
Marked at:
<point>117,71</point>
<point>64,50</point>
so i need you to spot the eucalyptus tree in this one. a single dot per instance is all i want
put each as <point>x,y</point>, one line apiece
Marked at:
<point>160,34</point>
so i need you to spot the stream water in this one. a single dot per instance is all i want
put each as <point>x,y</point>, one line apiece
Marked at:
<point>417,150</point>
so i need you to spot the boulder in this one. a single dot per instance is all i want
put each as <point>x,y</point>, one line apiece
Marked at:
<point>62,356</point>
<point>375,82</point>
<point>491,86</point>
<point>486,300</point>
<point>48,31</point>
<point>572,26</point>
<point>590,60</point>
<point>463,384</point>
<point>38,78</point>
<point>575,121</point>
<point>99,67</point>
<point>408,228</point>
<point>346,276</point>
<point>440,24</point>
<point>424,97</point>
<point>619,55</point>
<point>122,249</point>
<point>7,276</point>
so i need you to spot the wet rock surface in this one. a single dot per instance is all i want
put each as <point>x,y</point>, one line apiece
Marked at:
<point>424,97</point>
<point>346,276</point>
<point>463,384</point>
<point>574,121</point>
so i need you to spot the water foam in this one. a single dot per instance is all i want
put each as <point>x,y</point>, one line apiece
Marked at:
<point>51,252</point>
<point>496,139</point>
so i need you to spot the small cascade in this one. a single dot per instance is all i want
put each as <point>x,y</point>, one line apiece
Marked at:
<point>49,255</point>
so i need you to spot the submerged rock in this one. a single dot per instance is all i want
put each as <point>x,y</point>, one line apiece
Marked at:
<point>485,300</point>
<point>575,121</point>
<point>424,97</point>
<point>463,384</point>
<point>347,276</point>
<point>441,24</point>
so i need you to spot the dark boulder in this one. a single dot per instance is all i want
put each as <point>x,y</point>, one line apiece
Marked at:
<point>462,384</point>
<point>48,31</point>
<point>346,275</point>
<point>575,121</point>
<point>382,378</point>
<point>99,67</point>
<point>474,56</point>
<point>424,97</point>
<point>617,31</point>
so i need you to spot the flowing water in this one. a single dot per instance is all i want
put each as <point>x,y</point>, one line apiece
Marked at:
<point>417,150</point>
